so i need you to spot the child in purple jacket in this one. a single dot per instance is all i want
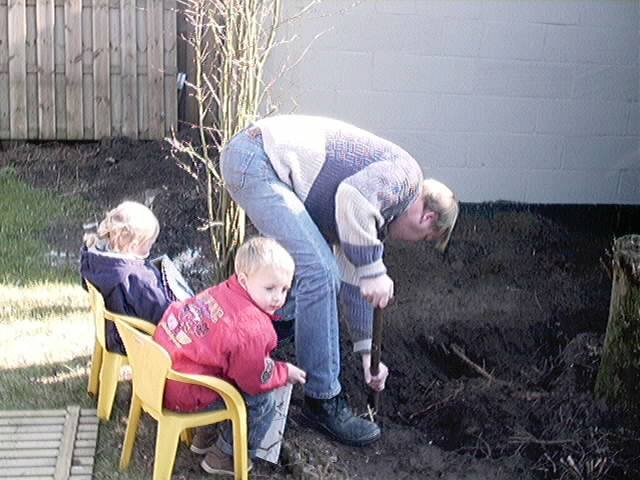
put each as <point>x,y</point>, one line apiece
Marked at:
<point>115,261</point>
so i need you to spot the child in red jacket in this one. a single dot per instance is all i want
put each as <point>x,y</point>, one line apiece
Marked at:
<point>226,331</point>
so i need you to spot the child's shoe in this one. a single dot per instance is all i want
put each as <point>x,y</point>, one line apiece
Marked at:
<point>203,440</point>
<point>219,463</point>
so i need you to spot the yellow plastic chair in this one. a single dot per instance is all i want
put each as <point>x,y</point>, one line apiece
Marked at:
<point>105,365</point>
<point>151,366</point>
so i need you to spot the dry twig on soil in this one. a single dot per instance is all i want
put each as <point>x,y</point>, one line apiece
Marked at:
<point>438,404</point>
<point>477,368</point>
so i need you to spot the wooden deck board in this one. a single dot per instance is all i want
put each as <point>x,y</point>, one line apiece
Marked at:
<point>30,428</point>
<point>48,444</point>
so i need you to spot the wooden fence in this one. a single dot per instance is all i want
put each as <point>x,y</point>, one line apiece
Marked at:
<point>87,69</point>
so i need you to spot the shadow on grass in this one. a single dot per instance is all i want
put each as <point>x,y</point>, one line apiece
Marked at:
<point>53,310</point>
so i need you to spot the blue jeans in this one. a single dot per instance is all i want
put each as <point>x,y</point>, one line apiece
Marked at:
<point>277,212</point>
<point>261,410</point>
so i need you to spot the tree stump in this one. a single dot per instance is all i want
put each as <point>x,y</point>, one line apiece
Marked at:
<point>618,379</point>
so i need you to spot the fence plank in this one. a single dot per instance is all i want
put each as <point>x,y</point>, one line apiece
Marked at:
<point>32,76</point>
<point>128,66</point>
<point>155,67</point>
<point>186,58</point>
<point>17,29</point>
<point>101,72</point>
<point>143,88</point>
<point>73,68</point>
<point>61,91</point>
<point>4,75</point>
<point>87,70</point>
<point>46,69</point>
<point>170,67</point>
<point>116,72</point>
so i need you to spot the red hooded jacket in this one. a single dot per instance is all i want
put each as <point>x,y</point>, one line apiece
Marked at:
<point>219,332</point>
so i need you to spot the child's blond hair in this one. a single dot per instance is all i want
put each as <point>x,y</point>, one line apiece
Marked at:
<point>260,252</point>
<point>130,223</point>
<point>441,200</point>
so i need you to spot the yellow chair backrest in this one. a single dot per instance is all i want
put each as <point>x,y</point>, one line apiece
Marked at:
<point>151,365</point>
<point>105,365</point>
<point>100,314</point>
<point>98,310</point>
<point>149,361</point>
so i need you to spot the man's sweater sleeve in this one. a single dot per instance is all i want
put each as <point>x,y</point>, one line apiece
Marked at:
<point>359,202</point>
<point>364,201</point>
<point>358,311</point>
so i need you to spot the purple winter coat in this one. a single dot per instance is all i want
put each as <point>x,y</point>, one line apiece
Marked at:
<point>129,286</point>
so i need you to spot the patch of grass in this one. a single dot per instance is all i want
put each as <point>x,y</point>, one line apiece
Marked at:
<point>49,386</point>
<point>45,322</point>
<point>26,214</point>
<point>46,330</point>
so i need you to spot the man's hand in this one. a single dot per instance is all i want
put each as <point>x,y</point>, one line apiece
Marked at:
<point>376,383</point>
<point>378,291</point>
<point>295,374</point>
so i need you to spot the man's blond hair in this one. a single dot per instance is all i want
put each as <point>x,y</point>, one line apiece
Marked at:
<point>260,252</point>
<point>441,200</point>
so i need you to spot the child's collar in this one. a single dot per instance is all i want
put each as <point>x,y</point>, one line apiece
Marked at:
<point>108,253</point>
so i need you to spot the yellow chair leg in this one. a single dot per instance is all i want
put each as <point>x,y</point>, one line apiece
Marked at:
<point>240,456</point>
<point>166,447</point>
<point>130,435</point>
<point>187,436</point>
<point>109,374</point>
<point>96,365</point>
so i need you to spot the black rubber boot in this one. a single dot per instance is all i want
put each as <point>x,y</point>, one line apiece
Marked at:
<point>335,418</point>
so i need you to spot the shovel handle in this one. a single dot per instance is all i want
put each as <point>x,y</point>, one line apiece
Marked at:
<point>376,344</point>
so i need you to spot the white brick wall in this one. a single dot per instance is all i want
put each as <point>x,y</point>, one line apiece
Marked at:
<point>525,100</point>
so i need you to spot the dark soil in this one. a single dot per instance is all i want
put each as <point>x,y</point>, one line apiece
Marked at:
<point>493,348</point>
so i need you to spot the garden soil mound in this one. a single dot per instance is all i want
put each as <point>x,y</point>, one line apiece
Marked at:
<point>493,348</point>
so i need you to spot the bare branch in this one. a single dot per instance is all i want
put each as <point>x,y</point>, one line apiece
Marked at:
<point>231,41</point>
